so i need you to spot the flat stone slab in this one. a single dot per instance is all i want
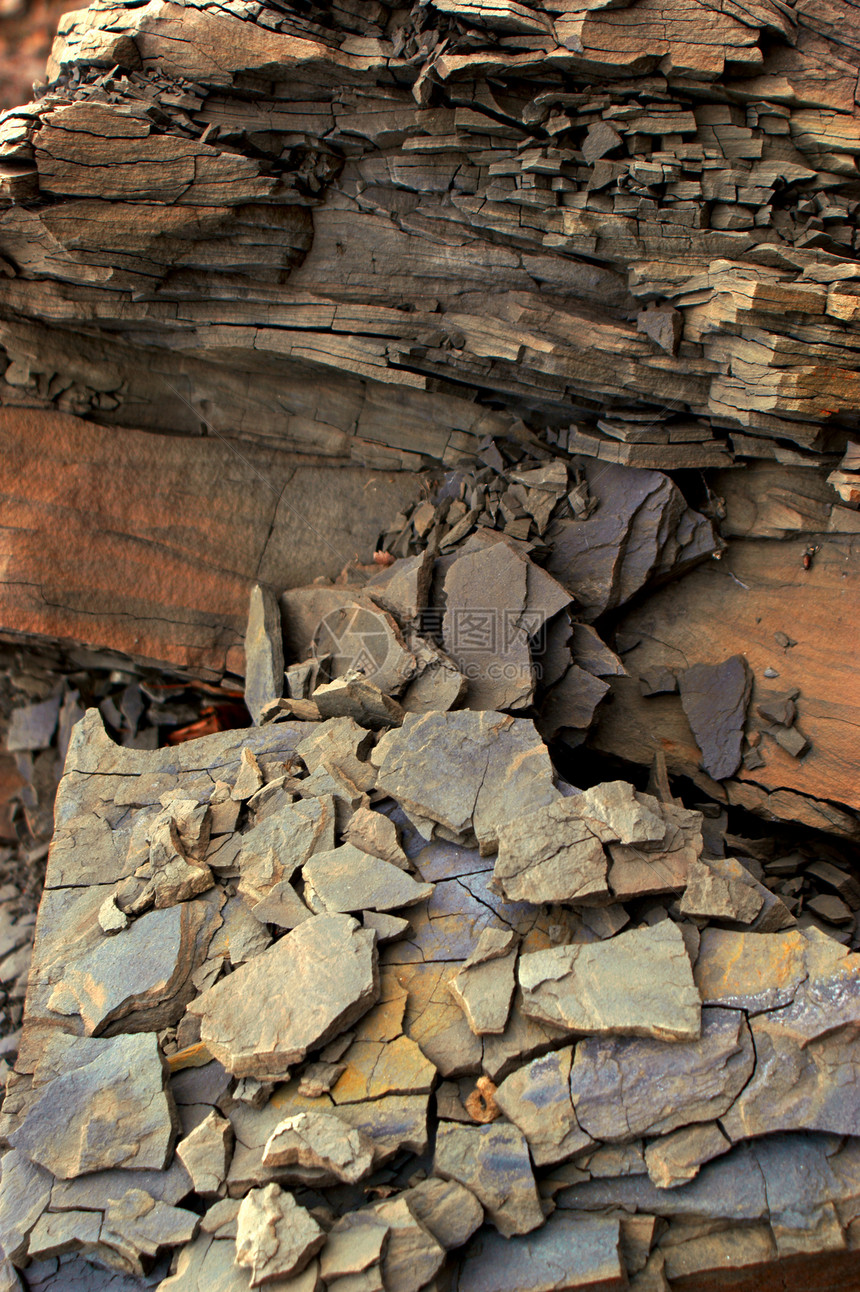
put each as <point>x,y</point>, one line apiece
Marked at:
<point>109,1086</point>
<point>715,697</point>
<point>349,879</point>
<point>492,1161</point>
<point>551,855</point>
<point>569,1252</point>
<point>315,982</point>
<point>639,983</point>
<point>660,1087</point>
<point>469,772</point>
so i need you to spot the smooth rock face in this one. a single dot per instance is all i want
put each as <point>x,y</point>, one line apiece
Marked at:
<point>537,1099</point>
<point>71,1127</point>
<point>348,879</point>
<point>492,1161</point>
<point>470,772</point>
<point>639,983</point>
<point>316,981</point>
<point>264,652</point>
<point>715,699</point>
<point>660,1087</point>
<point>275,1237</point>
<point>569,1252</point>
<point>551,855</point>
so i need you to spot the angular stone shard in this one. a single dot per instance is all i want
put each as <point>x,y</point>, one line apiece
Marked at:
<point>137,1226</point>
<point>353,697</point>
<point>486,631</point>
<point>537,1099</point>
<point>275,1237</point>
<point>354,1243</point>
<point>639,983</point>
<point>711,895</point>
<point>142,977</point>
<point>618,813</point>
<point>316,981</point>
<point>320,1140</point>
<point>176,874</point>
<point>451,1212</point>
<point>569,1252</point>
<point>624,1087</point>
<point>403,589</point>
<point>551,855</point>
<point>273,851</point>
<point>412,1256</point>
<point>484,985</point>
<point>676,1158</point>
<point>25,1191</point>
<point>715,698</point>
<point>264,652</point>
<point>347,879</point>
<point>376,833</point>
<point>109,1108</point>
<point>470,772</point>
<point>205,1153</point>
<point>492,1162</point>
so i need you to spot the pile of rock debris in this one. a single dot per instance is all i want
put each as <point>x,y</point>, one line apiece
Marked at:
<point>369,997</point>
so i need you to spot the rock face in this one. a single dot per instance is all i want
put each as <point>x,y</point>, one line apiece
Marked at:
<point>639,983</point>
<point>316,981</point>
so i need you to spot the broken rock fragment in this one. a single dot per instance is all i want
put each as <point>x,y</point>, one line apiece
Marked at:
<point>492,1162</point>
<point>551,855</point>
<point>320,1140</point>
<point>715,698</point>
<point>71,1126</point>
<point>676,1158</point>
<point>142,977</point>
<point>660,1087</point>
<point>175,874</point>
<point>264,652</point>
<point>205,1153</point>
<point>315,982</point>
<point>470,772</point>
<point>569,1252</point>
<point>347,879</point>
<point>537,1099</point>
<point>484,985</point>
<point>275,1237</point>
<point>355,1243</point>
<point>639,983</point>
<point>272,851</point>
<point>451,1212</point>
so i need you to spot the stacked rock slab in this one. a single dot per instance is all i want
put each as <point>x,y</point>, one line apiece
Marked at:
<point>333,1069</point>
